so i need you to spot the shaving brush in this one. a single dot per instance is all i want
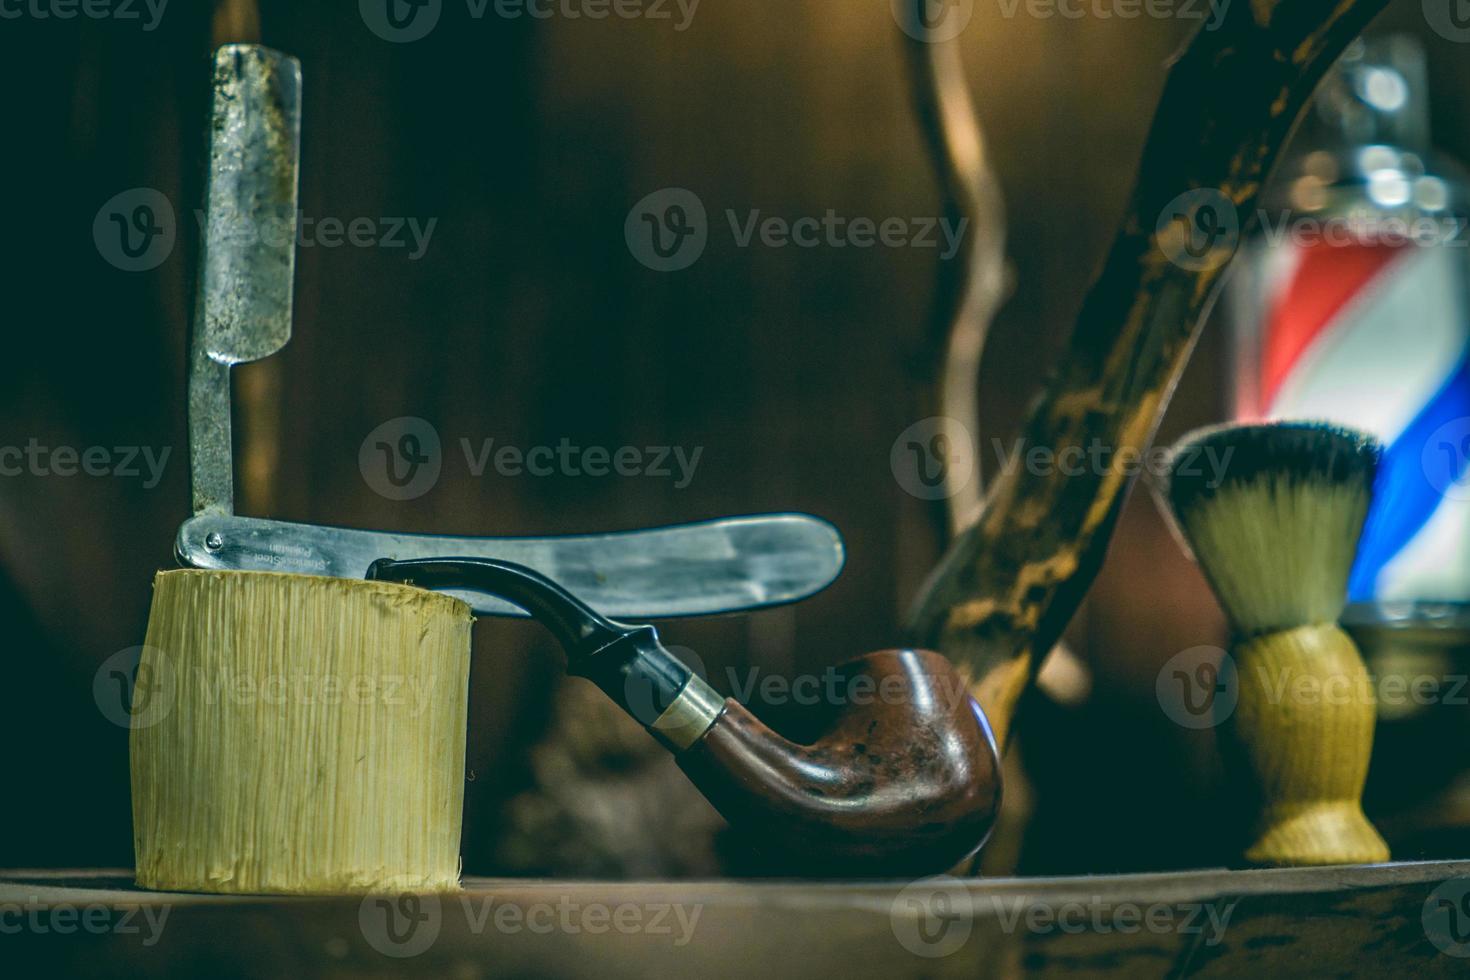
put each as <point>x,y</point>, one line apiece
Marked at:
<point>1273,513</point>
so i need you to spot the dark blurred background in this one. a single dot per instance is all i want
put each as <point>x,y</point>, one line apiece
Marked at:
<point>527,319</point>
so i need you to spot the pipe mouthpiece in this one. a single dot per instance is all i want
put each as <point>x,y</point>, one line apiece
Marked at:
<point>628,662</point>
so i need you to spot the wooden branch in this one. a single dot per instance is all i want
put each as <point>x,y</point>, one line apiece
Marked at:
<point>1008,586</point>
<point>970,291</point>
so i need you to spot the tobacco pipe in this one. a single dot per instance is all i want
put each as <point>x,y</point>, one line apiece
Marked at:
<point>904,779</point>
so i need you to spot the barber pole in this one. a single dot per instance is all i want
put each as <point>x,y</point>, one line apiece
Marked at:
<point>1352,305</point>
<point>1373,334</point>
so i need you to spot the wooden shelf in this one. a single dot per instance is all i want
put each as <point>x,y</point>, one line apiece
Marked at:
<point>1350,921</point>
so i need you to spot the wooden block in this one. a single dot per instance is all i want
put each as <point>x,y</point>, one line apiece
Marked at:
<point>304,735</point>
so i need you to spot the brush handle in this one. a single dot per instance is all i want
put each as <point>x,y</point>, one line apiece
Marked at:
<point>1303,731</point>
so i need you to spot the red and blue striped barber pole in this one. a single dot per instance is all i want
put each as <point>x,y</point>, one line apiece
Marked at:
<point>1377,336</point>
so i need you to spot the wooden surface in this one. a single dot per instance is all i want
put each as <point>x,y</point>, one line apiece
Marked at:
<point>1355,921</point>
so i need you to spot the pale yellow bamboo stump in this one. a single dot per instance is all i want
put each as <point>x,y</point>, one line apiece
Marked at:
<point>301,735</point>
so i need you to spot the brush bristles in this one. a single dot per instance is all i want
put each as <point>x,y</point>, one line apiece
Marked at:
<point>1273,513</point>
